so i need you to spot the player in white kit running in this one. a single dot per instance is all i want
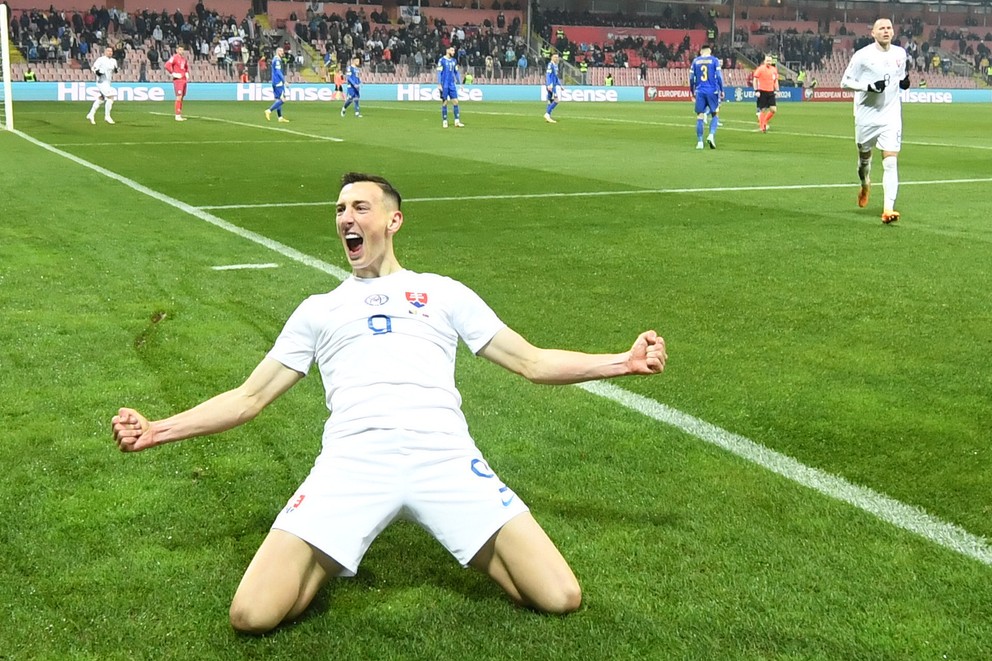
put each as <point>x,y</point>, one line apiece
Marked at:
<point>397,444</point>
<point>104,67</point>
<point>877,72</point>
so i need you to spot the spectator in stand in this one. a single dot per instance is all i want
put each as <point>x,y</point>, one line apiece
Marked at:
<point>157,36</point>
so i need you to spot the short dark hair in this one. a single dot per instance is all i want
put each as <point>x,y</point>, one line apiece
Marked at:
<point>386,187</point>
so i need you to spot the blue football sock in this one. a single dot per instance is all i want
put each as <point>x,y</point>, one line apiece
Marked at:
<point>444,113</point>
<point>699,129</point>
<point>456,113</point>
<point>714,123</point>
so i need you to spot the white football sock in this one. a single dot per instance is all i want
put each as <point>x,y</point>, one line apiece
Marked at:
<point>890,182</point>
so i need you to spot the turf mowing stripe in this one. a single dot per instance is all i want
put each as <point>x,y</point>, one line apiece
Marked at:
<point>723,127</point>
<point>899,514</point>
<point>645,191</point>
<point>904,516</point>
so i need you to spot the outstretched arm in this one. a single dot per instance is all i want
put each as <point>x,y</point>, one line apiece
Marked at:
<point>134,432</point>
<point>558,367</point>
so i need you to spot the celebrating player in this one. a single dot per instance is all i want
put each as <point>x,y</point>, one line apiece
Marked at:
<point>706,82</point>
<point>178,66</point>
<point>552,84</point>
<point>873,72</point>
<point>279,85</point>
<point>354,80</point>
<point>104,67</point>
<point>397,444</point>
<point>765,88</point>
<point>448,80</point>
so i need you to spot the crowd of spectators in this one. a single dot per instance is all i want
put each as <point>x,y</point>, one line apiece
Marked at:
<point>63,37</point>
<point>494,49</point>
<point>809,50</point>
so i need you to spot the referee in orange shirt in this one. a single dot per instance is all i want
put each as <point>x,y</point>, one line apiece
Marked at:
<point>765,86</point>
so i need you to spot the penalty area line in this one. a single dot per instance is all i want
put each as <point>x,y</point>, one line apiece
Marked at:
<point>265,127</point>
<point>887,509</point>
<point>644,191</point>
<point>284,250</point>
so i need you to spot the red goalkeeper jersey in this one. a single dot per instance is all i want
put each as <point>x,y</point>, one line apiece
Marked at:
<point>178,64</point>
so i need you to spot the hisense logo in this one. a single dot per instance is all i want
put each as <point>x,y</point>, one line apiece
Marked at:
<point>89,92</point>
<point>416,92</point>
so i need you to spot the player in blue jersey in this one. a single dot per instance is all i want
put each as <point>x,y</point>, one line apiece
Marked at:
<point>354,81</point>
<point>706,82</point>
<point>279,86</point>
<point>447,83</point>
<point>552,82</point>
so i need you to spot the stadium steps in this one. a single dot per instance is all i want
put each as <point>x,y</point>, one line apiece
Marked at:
<point>310,74</point>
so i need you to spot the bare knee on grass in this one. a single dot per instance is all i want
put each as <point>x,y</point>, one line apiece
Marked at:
<point>523,560</point>
<point>280,583</point>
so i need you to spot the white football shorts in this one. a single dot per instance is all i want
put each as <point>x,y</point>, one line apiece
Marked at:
<point>362,483</point>
<point>886,138</point>
<point>106,90</point>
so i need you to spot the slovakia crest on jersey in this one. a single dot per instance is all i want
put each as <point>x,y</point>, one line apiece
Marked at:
<point>417,299</point>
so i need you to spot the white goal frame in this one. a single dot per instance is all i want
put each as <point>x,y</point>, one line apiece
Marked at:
<point>8,93</point>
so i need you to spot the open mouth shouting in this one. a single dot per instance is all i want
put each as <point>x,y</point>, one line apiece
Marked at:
<point>353,243</point>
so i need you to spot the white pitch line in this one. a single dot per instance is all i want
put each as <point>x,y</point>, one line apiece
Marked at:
<point>184,142</point>
<point>265,126</point>
<point>235,267</point>
<point>887,509</point>
<point>608,193</point>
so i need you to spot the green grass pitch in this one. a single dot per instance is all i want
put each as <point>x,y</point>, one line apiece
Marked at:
<point>793,318</point>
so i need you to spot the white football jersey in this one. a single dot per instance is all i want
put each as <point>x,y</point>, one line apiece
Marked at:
<point>104,68</point>
<point>871,64</point>
<point>385,348</point>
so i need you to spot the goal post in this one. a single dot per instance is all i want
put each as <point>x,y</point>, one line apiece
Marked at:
<point>6,90</point>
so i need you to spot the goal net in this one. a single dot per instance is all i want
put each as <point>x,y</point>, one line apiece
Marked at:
<point>6,96</point>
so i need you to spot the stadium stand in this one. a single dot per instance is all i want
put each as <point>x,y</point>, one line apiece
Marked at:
<point>402,43</point>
